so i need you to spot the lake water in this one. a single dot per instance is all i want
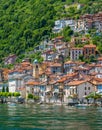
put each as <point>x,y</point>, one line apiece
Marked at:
<point>49,117</point>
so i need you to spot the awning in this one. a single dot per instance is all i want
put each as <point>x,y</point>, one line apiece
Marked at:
<point>47,91</point>
<point>72,87</point>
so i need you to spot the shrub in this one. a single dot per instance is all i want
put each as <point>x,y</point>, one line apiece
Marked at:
<point>30,96</point>
<point>6,94</point>
<point>35,97</point>
<point>10,94</point>
<point>0,94</point>
<point>16,94</point>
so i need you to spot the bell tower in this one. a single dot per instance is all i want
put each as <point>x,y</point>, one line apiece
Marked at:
<point>61,60</point>
<point>35,69</point>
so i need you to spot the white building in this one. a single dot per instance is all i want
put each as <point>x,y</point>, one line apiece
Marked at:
<point>68,66</point>
<point>49,55</point>
<point>16,81</point>
<point>59,25</point>
<point>80,88</point>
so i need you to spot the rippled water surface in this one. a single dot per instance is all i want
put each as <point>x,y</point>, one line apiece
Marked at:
<point>49,117</point>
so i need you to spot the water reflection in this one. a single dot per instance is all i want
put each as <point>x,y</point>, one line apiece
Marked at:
<point>49,117</point>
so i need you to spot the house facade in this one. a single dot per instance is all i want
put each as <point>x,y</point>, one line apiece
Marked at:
<point>56,68</point>
<point>80,88</point>
<point>75,53</point>
<point>89,50</point>
<point>49,55</point>
<point>99,60</point>
<point>10,59</point>
<point>68,66</point>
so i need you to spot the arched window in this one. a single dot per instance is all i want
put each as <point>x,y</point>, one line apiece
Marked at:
<point>85,93</point>
<point>36,66</point>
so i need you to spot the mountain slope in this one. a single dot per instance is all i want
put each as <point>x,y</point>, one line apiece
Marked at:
<point>23,23</point>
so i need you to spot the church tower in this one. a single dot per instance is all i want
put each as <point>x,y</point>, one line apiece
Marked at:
<point>36,69</point>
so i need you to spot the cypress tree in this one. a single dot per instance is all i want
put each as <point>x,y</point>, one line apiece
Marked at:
<point>3,89</point>
<point>7,89</point>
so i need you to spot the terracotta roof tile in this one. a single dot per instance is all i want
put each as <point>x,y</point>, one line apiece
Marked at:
<point>98,65</point>
<point>32,83</point>
<point>25,63</point>
<point>75,48</point>
<point>79,63</point>
<point>69,62</point>
<point>90,45</point>
<point>66,77</point>
<point>76,82</point>
<point>96,81</point>
<point>56,65</point>
<point>62,80</point>
<point>71,74</point>
<point>99,59</point>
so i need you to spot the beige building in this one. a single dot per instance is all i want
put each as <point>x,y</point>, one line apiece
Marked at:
<point>80,88</point>
<point>32,87</point>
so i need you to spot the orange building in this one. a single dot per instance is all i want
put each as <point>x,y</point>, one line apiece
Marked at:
<point>89,50</point>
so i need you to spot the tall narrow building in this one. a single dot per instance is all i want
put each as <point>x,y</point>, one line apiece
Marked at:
<point>36,69</point>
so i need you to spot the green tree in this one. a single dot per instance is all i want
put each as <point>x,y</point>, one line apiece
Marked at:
<point>94,96</point>
<point>67,32</point>
<point>81,57</point>
<point>92,58</point>
<point>3,89</point>
<point>7,89</point>
<point>27,34</point>
<point>23,23</point>
<point>35,97</point>
<point>30,96</point>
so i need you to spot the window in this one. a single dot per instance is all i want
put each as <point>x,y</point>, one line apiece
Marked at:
<point>32,90</point>
<point>86,50</point>
<point>88,88</point>
<point>70,92</point>
<point>54,71</point>
<point>85,88</point>
<point>85,93</point>
<point>93,51</point>
<point>36,66</point>
<point>76,90</point>
<point>73,91</point>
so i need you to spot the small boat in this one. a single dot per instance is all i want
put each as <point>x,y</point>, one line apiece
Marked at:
<point>40,103</point>
<point>82,105</point>
<point>11,104</point>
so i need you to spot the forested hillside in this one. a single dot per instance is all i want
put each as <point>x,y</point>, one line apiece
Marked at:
<point>23,23</point>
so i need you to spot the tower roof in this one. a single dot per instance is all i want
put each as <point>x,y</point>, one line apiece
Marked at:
<point>35,61</point>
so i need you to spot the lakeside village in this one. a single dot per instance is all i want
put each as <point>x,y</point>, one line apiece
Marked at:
<point>61,77</point>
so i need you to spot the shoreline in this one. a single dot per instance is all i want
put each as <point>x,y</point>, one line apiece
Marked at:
<point>54,103</point>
